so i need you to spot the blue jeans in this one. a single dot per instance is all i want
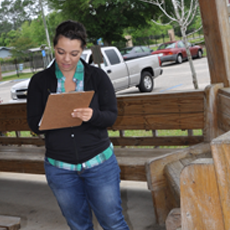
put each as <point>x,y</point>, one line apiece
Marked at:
<point>96,188</point>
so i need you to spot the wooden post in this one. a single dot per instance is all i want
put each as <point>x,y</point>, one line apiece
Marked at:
<point>200,201</point>
<point>173,221</point>
<point>97,55</point>
<point>220,152</point>
<point>163,199</point>
<point>216,33</point>
<point>211,129</point>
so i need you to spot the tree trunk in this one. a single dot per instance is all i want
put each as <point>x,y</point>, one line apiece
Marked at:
<point>194,77</point>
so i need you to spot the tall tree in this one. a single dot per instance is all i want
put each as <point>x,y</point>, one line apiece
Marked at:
<point>182,12</point>
<point>106,19</point>
<point>35,29</point>
<point>15,12</point>
<point>21,46</point>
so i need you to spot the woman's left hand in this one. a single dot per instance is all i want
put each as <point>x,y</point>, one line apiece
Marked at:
<point>84,114</point>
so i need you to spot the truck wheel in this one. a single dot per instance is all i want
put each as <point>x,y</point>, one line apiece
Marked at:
<point>146,84</point>
<point>179,59</point>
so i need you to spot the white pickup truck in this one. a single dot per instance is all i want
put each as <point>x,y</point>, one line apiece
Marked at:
<point>138,72</point>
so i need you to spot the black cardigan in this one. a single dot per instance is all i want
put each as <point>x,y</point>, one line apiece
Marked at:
<point>76,144</point>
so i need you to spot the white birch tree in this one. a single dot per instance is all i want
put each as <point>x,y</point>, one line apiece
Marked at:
<point>184,17</point>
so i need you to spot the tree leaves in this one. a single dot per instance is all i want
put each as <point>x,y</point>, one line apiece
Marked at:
<point>17,11</point>
<point>106,19</point>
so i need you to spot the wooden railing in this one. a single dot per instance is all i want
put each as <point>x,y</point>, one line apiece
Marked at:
<point>166,111</point>
<point>181,110</point>
<point>205,188</point>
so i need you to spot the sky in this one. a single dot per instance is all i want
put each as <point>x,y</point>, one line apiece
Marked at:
<point>44,8</point>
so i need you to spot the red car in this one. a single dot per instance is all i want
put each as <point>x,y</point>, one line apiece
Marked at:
<point>175,51</point>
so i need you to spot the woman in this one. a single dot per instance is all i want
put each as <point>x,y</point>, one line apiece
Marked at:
<point>81,168</point>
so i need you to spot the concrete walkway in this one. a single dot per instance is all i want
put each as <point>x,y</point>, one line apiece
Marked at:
<point>28,196</point>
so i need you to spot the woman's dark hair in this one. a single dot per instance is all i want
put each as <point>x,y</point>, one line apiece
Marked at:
<point>72,30</point>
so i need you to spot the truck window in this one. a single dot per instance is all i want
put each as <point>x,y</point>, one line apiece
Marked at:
<point>83,56</point>
<point>112,56</point>
<point>181,44</point>
<point>91,62</point>
<point>138,50</point>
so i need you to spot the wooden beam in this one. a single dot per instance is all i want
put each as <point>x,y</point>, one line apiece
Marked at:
<point>156,141</point>
<point>216,33</point>
<point>13,117</point>
<point>200,201</point>
<point>10,222</point>
<point>163,201</point>
<point>211,129</point>
<point>220,152</point>
<point>223,108</point>
<point>22,141</point>
<point>173,221</point>
<point>161,121</point>
<point>161,103</point>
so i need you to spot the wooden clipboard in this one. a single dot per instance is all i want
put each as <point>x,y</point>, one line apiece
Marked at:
<point>59,107</point>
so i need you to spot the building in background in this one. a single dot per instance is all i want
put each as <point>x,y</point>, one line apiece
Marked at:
<point>5,52</point>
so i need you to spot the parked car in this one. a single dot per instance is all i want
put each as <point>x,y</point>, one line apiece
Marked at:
<point>140,73</point>
<point>175,51</point>
<point>135,52</point>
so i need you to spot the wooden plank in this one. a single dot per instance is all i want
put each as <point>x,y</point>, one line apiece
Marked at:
<point>19,110</point>
<point>160,121</point>
<point>224,110</point>
<point>117,141</point>
<point>224,104</point>
<point>173,221</point>
<point>132,161</point>
<point>224,122</point>
<point>17,124</point>
<point>13,117</point>
<point>21,149</point>
<point>132,172</point>
<point>172,173</point>
<point>143,152</point>
<point>30,160</point>
<point>225,91</point>
<point>155,166</point>
<point>187,160</point>
<point>10,222</point>
<point>165,95</point>
<point>216,33</point>
<point>163,200</point>
<point>200,201</point>
<point>22,159</point>
<point>220,151</point>
<point>175,102</point>
<point>164,111</point>
<point>22,141</point>
<point>157,141</point>
<point>130,169</point>
<point>211,129</point>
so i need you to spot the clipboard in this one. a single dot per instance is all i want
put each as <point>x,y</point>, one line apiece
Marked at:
<point>57,113</point>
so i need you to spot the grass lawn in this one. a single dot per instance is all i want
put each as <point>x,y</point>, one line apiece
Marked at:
<point>132,133</point>
<point>15,76</point>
